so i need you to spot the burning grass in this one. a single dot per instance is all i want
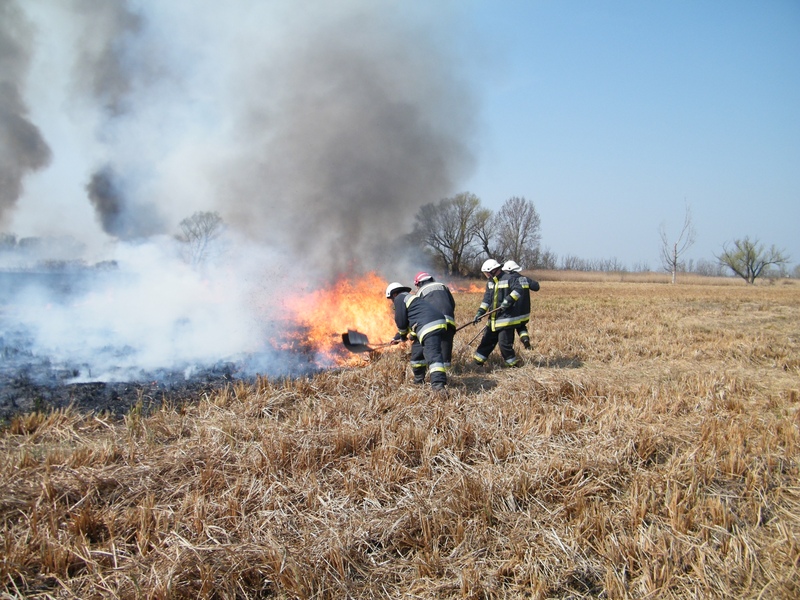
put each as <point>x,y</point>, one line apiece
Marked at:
<point>322,315</point>
<point>648,448</point>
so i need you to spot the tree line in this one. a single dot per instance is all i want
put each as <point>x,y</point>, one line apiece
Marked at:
<point>458,234</point>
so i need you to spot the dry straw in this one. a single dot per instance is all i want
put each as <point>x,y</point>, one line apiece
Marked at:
<point>647,449</point>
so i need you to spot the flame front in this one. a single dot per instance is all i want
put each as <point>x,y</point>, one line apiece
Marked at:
<point>359,304</point>
<point>467,288</point>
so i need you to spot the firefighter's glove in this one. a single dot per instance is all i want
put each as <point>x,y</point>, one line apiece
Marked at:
<point>534,285</point>
<point>477,318</point>
<point>397,339</point>
<point>503,308</point>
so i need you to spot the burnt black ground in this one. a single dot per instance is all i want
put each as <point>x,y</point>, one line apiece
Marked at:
<point>21,393</point>
<point>30,381</point>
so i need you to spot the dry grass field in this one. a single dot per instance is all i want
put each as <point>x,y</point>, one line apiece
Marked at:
<point>647,449</point>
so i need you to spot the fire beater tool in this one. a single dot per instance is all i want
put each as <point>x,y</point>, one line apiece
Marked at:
<point>356,341</point>
<point>486,314</point>
<point>469,343</point>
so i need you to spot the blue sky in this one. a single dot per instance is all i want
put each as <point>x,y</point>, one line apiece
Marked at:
<point>614,116</point>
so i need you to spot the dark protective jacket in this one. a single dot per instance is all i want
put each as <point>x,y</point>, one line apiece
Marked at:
<point>522,308</point>
<point>416,317</point>
<point>442,299</point>
<point>503,292</point>
<point>528,285</point>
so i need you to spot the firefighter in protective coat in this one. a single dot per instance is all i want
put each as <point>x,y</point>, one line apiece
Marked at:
<point>442,299</point>
<point>523,306</point>
<point>502,293</point>
<point>419,319</point>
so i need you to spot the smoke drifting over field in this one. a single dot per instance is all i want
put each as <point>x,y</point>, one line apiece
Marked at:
<point>23,149</point>
<point>315,130</point>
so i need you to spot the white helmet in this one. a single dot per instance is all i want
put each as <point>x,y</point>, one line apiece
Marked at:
<point>511,266</point>
<point>490,265</point>
<point>396,287</point>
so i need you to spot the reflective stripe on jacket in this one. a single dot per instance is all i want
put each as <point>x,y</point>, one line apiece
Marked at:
<point>500,289</point>
<point>520,311</point>
<point>439,295</point>
<point>415,316</point>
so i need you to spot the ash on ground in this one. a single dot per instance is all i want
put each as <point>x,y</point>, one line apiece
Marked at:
<point>33,380</point>
<point>29,383</point>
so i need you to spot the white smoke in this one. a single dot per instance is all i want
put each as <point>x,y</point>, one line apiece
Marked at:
<point>315,130</point>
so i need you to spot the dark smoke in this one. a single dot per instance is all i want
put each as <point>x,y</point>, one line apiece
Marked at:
<point>116,68</point>
<point>107,200</point>
<point>315,130</point>
<point>22,147</point>
<point>117,217</point>
<point>107,70</point>
<point>356,124</point>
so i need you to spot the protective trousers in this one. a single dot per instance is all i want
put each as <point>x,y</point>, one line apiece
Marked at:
<point>505,337</point>
<point>427,356</point>
<point>447,344</point>
<point>522,330</point>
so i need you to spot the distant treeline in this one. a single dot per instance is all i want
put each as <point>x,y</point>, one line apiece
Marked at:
<point>702,266</point>
<point>52,254</point>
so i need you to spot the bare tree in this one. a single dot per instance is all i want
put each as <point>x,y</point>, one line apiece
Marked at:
<point>517,231</point>
<point>570,262</point>
<point>709,268</point>
<point>546,259</point>
<point>448,229</point>
<point>197,233</point>
<point>748,259</point>
<point>486,235</point>
<point>672,252</point>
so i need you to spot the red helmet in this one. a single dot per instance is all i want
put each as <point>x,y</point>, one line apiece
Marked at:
<point>421,277</point>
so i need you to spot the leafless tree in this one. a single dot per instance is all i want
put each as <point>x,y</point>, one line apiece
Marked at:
<point>487,238</point>
<point>748,259</point>
<point>448,229</point>
<point>709,268</point>
<point>546,259</point>
<point>198,233</point>
<point>673,251</point>
<point>516,228</point>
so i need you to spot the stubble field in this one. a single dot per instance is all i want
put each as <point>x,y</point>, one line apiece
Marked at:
<point>648,448</point>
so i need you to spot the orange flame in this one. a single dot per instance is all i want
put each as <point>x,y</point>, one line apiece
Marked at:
<point>468,288</point>
<point>360,305</point>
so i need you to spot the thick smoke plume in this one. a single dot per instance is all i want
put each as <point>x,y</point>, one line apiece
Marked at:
<point>22,147</point>
<point>116,215</point>
<point>365,128</point>
<point>314,130</point>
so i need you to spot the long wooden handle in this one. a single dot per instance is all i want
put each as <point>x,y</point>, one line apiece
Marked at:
<point>460,327</point>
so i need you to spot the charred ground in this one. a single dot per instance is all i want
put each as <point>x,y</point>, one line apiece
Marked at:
<point>34,379</point>
<point>29,383</point>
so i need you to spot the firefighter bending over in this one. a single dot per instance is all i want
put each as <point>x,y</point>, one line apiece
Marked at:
<point>442,299</point>
<point>418,319</point>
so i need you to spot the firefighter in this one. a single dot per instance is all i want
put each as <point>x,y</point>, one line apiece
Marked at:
<point>502,293</point>
<point>522,308</point>
<point>442,299</point>
<point>419,319</point>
